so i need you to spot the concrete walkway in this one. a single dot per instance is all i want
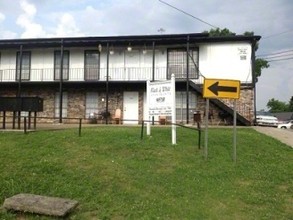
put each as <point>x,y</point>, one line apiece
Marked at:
<point>283,135</point>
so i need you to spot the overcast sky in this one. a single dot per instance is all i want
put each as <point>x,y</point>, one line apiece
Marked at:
<point>272,19</point>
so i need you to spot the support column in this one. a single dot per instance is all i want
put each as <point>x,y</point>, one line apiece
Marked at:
<point>153,72</point>
<point>107,84</point>
<point>253,76</point>
<point>153,64</point>
<point>61,81</point>
<point>187,80</point>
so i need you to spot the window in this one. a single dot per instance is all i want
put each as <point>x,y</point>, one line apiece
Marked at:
<point>57,65</point>
<point>91,104</point>
<point>64,104</point>
<point>91,65</point>
<point>25,65</point>
<point>181,105</point>
<point>177,63</point>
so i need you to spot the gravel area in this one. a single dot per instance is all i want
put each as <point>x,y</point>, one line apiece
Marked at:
<point>283,135</point>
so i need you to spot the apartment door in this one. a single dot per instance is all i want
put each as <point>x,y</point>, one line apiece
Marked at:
<point>130,107</point>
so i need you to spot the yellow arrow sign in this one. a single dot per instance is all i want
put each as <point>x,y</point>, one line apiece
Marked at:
<point>221,88</point>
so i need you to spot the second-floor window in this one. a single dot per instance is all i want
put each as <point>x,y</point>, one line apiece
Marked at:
<point>177,63</point>
<point>91,65</point>
<point>57,65</point>
<point>24,69</point>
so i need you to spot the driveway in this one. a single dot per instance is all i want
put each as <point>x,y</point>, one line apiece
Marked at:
<point>283,135</point>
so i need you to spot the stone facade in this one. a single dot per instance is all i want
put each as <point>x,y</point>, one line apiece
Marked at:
<point>76,106</point>
<point>244,106</point>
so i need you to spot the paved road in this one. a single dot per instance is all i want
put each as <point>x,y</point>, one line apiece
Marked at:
<point>283,135</point>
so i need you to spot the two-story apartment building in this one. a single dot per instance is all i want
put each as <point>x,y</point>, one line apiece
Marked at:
<point>81,76</point>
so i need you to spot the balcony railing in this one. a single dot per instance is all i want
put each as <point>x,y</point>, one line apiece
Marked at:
<point>80,74</point>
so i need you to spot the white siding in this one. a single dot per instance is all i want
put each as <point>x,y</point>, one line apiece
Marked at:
<point>42,64</point>
<point>226,61</point>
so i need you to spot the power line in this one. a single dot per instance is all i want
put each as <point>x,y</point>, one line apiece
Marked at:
<point>272,54</point>
<point>273,60</point>
<point>277,34</point>
<point>186,13</point>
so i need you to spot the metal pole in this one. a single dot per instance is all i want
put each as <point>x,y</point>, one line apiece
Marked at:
<point>234,132</point>
<point>153,64</point>
<point>4,119</point>
<point>206,129</point>
<point>187,81</point>
<point>20,71</point>
<point>141,133</point>
<point>24,125</point>
<point>153,73</point>
<point>61,82</point>
<point>79,129</point>
<point>19,82</point>
<point>107,83</point>
<point>253,77</point>
<point>199,134</point>
<point>35,120</point>
<point>173,109</point>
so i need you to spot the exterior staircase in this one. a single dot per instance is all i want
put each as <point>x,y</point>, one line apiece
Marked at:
<point>198,87</point>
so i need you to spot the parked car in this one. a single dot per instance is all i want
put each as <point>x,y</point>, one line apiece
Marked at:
<point>266,120</point>
<point>287,125</point>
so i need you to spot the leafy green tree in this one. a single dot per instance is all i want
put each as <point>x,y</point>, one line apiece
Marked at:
<point>277,106</point>
<point>219,32</point>
<point>290,107</point>
<point>260,64</point>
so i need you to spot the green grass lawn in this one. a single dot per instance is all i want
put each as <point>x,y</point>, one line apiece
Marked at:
<point>115,175</point>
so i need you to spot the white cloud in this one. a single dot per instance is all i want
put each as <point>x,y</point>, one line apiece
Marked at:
<point>67,27</point>
<point>26,21</point>
<point>7,35</point>
<point>2,17</point>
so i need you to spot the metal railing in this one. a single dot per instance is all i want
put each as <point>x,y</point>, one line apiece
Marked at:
<point>82,74</point>
<point>92,74</point>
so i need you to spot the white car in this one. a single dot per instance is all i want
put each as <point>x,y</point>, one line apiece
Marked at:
<point>266,120</point>
<point>287,125</point>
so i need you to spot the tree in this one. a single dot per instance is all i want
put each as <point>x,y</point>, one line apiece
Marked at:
<point>260,64</point>
<point>219,32</point>
<point>277,106</point>
<point>290,107</point>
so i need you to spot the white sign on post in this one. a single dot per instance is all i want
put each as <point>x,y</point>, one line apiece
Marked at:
<point>160,98</point>
<point>161,101</point>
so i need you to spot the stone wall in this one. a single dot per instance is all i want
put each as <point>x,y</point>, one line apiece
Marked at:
<point>77,106</point>
<point>244,106</point>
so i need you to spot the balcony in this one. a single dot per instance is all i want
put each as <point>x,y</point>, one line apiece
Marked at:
<point>81,74</point>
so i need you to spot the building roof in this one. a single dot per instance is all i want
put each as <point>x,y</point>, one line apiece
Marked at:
<point>283,116</point>
<point>148,40</point>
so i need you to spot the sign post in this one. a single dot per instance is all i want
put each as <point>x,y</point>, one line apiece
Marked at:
<point>173,109</point>
<point>206,129</point>
<point>221,88</point>
<point>147,112</point>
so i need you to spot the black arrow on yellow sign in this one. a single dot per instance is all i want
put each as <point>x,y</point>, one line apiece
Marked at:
<point>215,88</point>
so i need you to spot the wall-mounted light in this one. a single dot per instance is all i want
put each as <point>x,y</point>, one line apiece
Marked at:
<point>144,51</point>
<point>129,48</point>
<point>100,48</point>
<point>111,50</point>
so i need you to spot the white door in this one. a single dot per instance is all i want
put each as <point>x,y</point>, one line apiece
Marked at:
<point>130,108</point>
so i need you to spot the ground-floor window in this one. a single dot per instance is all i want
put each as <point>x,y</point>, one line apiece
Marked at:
<point>64,104</point>
<point>91,104</point>
<point>181,105</point>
